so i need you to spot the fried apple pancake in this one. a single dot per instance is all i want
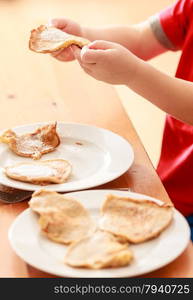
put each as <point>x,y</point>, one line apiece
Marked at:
<point>45,139</point>
<point>49,39</point>
<point>62,219</point>
<point>41,172</point>
<point>135,220</point>
<point>101,250</point>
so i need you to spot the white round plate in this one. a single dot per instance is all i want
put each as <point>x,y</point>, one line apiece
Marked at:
<point>102,156</point>
<point>48,256</point>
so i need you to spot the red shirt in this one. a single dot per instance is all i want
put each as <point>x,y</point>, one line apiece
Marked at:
<point>175,167</point>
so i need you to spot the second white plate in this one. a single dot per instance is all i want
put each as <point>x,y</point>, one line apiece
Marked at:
<point>48,256</point>
<point>97,157</point>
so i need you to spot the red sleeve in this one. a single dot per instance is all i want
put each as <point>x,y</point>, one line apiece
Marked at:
<point>175,21</point>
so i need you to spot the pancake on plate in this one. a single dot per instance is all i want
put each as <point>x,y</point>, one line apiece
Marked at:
<point>100,250</point>
<point>49,39</point>
<point>62,219</point>
<point>133,219</point>
<point>43,140</point>
<point>40,172</point>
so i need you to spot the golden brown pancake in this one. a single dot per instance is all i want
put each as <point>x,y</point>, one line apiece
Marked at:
<point>45,139</point>
<point>135,220</point>
<point>62,219</point>
<point>49,39</point>
<point>41,172</point>
<point>101,250</point>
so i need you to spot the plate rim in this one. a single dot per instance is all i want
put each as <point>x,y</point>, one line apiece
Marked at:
<point>61,187</point>
<point>139,273</point>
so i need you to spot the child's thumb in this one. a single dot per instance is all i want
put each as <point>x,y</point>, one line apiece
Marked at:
<point>101,45</point>
<point>95,51</point>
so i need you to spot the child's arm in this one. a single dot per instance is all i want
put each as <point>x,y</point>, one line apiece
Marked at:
<point>172,95</point>
<point>114,64</point>
<point>139,39</point>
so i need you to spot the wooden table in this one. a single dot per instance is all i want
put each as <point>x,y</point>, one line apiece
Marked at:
<point>35,88</point>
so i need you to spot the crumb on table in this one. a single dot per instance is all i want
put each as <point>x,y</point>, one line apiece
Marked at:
<point>11,96</point>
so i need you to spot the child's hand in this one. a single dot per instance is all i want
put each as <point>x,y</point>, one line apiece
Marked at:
<point>70,27</point>
<point>107,62</point>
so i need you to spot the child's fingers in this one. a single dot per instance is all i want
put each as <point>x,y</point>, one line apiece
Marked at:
<point>63,54</point>
<point>88,56</point>
<point>77,54</point>
<point>94,55</point>
<point>56,53</point>
<point>87,70</point>
<point>76,51</point>
<point>60,23</point>
<point>91,56</point>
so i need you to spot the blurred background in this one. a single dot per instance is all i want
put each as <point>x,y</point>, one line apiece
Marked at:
<point>18,17</point>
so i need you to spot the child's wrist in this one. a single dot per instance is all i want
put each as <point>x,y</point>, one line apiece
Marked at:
<point>133,75</point>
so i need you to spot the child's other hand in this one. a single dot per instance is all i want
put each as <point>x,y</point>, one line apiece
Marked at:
<point>107,62</point>
<point>70,27</point>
